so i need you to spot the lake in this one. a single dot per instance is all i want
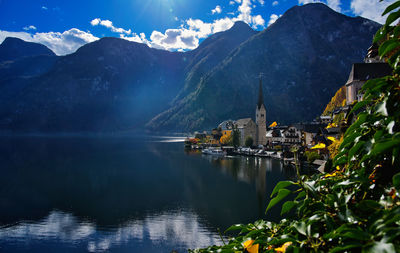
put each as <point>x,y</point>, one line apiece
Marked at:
<point>125,194</point>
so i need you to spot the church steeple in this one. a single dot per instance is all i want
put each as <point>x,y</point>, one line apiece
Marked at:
<point>261,114</point>
<point>260,95</point>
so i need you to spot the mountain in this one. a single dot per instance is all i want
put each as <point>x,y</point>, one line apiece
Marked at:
<point>14,48</point>
<point>117,85</point>
<point>305,56</point>
<point>108,85</point>
<point>211,52</point>
<point>20,61</point>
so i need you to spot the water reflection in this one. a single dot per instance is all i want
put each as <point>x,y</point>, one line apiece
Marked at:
<point>125,194</point>
<point>183,226</point>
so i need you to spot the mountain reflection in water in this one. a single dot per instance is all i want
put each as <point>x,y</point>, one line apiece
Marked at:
<point>126,194</point>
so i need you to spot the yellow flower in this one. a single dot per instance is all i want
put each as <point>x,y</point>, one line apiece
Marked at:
<point>337,168</point>
<point>283,247</point>
<point>248,245</point>
<point>331,174</point>
<point>330,125</point>
<point>319,146</point>
<point>333,139</point>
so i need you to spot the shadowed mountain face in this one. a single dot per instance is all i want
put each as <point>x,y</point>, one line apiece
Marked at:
<point>304,57</point>
<point>14,48</point>
<point>116,85</point>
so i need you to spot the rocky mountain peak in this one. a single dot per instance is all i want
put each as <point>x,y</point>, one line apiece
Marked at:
<point>14,48</point>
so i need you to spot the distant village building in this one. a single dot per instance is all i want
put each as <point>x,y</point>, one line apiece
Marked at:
<point>292,135</point>
<point>309,132</point>
<point>373,67</point>
<point>226,125</point>
<point>325,119</point>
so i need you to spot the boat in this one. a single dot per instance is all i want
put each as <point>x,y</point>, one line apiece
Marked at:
<point>213,151</point>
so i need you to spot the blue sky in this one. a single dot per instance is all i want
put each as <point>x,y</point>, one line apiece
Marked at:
<point>176,25</point>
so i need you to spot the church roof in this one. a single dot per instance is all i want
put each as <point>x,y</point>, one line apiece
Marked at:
<point>260,96</point>
<point>240,123</point>
<point>366,71</point>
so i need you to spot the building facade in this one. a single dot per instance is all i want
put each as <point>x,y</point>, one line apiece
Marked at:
<point>372,67</point>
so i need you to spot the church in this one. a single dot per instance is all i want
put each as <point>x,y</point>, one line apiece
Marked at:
<point>256,130</point>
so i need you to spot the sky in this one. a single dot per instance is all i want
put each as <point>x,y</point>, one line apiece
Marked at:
<point>174,25</point>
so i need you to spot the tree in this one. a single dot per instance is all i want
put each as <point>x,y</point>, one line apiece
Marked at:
<point>226,139</point>
<point>235,137</point>
<point>312,156</point>
<point>249,141</point>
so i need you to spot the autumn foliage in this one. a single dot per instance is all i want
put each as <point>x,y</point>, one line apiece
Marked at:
<point>337,101</point>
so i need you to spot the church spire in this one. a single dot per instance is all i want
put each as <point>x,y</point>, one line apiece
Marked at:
<point>260,95</point>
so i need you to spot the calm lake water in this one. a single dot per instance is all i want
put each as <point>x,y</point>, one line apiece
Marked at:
<point>125,194</point>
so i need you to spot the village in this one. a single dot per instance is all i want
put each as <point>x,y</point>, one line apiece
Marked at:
<point>316,142</point>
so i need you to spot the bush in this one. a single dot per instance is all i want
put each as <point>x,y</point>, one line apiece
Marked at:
<point>312,156</point>
<point>249,141</point>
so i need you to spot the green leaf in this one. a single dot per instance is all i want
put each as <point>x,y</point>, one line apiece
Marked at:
<point>283,193</point>
<point>379,35</point>
<point>341,160</point>
<point>382,147</point>
<point>360,105</point>
<point>353,151</point>
<point>302,194</point>
<point>396,180</point>
<point>301,227</point>
<point>368,205</point>
<point>391,8</point>
<point>287,206</point>
<point>392,17</point>
<point>356,234</point>
<point>389,47</point>
<point>345,248</point>
<point>235,227</point>
<point>378,135</point>
<point>281,185</point>
<point>381,108</point>
<point>379,247</point>
<point>395,155</point>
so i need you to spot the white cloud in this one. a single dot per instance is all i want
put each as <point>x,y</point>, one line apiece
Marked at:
<point>44,8</point>
<point>370,9</point>
<point>185,37</point>
<point>272,19</point>
<point>334,4</point>
<point>231,2</point>
<point>275,3</point>
<point>217,9</point>
<point>261,2</point>
<point>307,1</point>
<point>31,27</point>
<point>258,21</point>
<point>109,24</point>
<point>60,43</point>
<point>192,30</point>
<point>141,38</point>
